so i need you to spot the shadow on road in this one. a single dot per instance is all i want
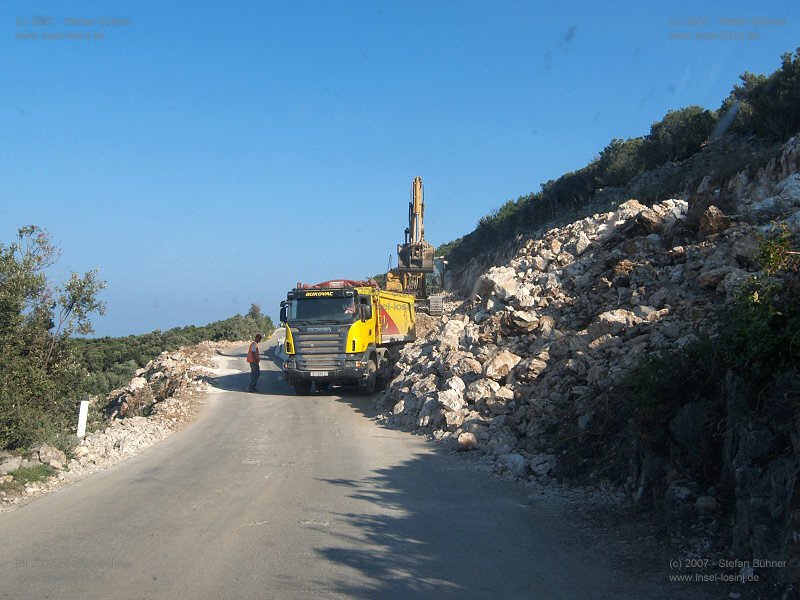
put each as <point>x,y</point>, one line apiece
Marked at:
<point>438,528</point>
<point>444,530</point>
<point>416,558</point>
<point>270,383</point>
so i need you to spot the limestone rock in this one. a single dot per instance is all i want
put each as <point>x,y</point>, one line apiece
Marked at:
<point>482,389</point>
<point>582,244</point>
<point>613,322</point>
<point>467,441</point>
<point>10,464</point>
<point>502,282</point>
<point>542,464</point>
<point>713,221</point>
<point>451,400</point>
<point>515,464</point>
<point>52,456</point>
<point>499,366</point>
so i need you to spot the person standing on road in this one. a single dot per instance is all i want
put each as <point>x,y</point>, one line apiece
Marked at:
<point>254,358</point>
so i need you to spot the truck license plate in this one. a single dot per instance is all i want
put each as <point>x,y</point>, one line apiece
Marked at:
<point>319,373</point>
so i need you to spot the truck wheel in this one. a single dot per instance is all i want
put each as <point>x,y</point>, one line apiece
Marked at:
<point>302,388</point>
<point>367,387</point>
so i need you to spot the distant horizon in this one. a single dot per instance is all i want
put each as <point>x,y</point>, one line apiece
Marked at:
<point>203,164</point>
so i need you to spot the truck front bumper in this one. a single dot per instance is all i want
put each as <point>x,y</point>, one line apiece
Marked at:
<point>335,376</point>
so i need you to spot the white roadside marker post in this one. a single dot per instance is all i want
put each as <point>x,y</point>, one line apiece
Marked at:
<point>83,414</point>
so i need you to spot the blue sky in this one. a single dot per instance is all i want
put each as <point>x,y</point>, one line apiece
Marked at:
<point>211,156</point>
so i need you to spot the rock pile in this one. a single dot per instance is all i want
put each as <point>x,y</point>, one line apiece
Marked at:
<point>548,333</point>
<point>166,376</point>
<point>168,390</point>
<point>533,357</point>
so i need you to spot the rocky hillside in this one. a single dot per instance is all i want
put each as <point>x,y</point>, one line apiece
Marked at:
<point>533,367</point>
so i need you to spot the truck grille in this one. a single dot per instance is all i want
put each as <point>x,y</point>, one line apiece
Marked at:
<point>317,350</point>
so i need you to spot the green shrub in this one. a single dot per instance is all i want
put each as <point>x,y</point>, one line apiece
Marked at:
<point>25,475</point>
<point>657,394</point>
<point>758,342</point>
<point>677,136</point>
<point>761,331</point>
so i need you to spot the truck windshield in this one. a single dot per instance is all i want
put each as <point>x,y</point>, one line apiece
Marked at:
<point>323,309</point>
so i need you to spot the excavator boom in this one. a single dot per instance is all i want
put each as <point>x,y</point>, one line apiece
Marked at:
<point>415,257</point>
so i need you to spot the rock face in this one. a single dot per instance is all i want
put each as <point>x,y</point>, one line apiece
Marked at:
<point>549,335</point>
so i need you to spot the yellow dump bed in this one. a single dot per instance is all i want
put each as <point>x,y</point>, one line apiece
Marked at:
<point>396,318</point>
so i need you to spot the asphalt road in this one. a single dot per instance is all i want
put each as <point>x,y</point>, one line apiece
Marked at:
<point>269,495</point>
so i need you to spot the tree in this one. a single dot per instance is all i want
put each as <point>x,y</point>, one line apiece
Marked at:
<point>40,378</point>
<point>678,135</point>
<point>619,162</point>
<point>768,106</point>
<point>254,312</point>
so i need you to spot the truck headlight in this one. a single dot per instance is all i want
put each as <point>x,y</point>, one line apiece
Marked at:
<point>289,364</point>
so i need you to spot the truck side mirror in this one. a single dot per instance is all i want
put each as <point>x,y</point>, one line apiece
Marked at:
<point>283,312</point>
<point>366,312</point>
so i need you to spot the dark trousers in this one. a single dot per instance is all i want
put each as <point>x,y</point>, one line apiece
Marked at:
<point>255,371</point>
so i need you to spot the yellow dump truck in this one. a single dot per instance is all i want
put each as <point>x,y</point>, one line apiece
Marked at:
<point>344,332</point>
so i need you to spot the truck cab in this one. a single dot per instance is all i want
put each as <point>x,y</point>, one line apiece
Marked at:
<point>343,332</point>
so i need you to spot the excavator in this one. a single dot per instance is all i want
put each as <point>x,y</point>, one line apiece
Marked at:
<point>418,273</point>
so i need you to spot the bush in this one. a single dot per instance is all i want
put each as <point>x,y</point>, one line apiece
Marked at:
<point>657,395</point>
<point>677,136</point>
<point>757,344</point>
<point>761,332</point>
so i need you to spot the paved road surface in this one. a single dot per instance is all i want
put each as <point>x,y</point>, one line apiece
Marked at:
<point>275,496</point>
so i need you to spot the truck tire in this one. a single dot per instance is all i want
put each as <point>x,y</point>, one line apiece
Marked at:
<point>302,388</point>
<point>367,387</point>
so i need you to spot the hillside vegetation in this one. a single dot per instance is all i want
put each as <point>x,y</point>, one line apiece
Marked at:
<point>760,112</point>
<point>111,362</point>
<point>45,369</point>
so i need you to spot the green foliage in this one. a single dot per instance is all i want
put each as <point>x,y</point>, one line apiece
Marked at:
<point>766,106</point>
<point>677,136</point>
<point>44,369</point>
<point>40,378</point>
<point>111,362</point>
<point>657,394</point>
<point>761,337</point>
<point>38,472</point>
<point>758,341</point>
<point>619,162</point>
<point>25,475</point>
